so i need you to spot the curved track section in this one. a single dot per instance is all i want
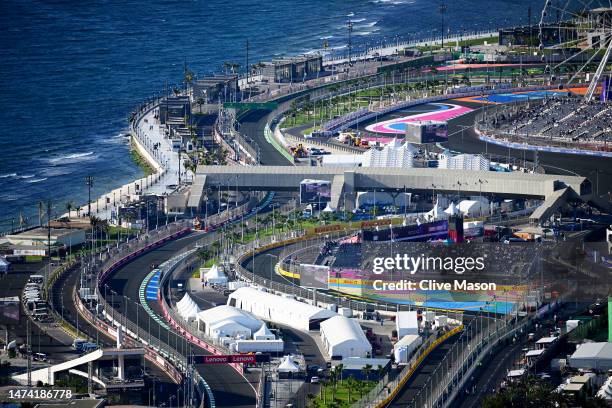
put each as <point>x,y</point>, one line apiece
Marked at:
<point>229,388</point>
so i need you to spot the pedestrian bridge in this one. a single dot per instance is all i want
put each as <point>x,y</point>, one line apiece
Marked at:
<point>347,182</point>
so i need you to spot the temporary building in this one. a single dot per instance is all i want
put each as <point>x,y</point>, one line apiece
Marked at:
<point>263,333</point>
<point>288,366</point>
<point>263,346</point>
<point>280,310</point>
<point>394,154</point>
<point>436,213</point>
<point>187,308</point>
<point>406,323</point>
<point>228,328</point>
<point>214,275</point>
<point>593,356</point>
<point>452,209</point>
<point>209,321</point>
<point>473,208</point>
<point>403,349</point>
<point>343,337</point>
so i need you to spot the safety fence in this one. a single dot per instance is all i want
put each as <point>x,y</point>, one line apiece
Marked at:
<point>387,390</point>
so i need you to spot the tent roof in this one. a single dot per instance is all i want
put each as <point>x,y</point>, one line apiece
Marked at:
<point>288,366</point>
<point>263,331</point>
<point>187,308</point>
<point>225,312</point>
<point>304,310</point>
<point>340,329</point>
<point>452,209</point>
<point>214,272</point>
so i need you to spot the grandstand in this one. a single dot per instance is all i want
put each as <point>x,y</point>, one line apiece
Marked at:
<point>563,120</point>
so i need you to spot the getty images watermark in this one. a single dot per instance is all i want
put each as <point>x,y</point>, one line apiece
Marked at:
<point>412,265</point>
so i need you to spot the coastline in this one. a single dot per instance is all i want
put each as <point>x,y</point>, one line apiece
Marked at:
<point>103,205</point>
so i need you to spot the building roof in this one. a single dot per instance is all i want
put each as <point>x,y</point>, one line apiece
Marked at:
<point>406,340</point>
<point>280,308</point>
<point>340,330</point>
<point>534,353</point>
<point>546,340</point>
<point>187,308</point>
<point>224,312</point>
<point>594,350</point>
<point>357,363</point>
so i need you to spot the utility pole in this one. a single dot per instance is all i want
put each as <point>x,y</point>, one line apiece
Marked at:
<point>247,62</point>
<point>442,10</point>
<point>89,181</point>
<point>349,25</point>
<point>48,238</point>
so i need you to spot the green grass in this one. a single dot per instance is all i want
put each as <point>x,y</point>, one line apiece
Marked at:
<point>141,161</point>
<point>328,398</point>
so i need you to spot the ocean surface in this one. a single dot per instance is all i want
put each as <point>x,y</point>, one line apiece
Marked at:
<point>71,72</point>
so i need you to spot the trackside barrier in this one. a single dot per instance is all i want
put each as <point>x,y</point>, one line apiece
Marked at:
<point>150,353</point>
<point>339,124</point>
<point>377,398</point>
<point>157,354</point>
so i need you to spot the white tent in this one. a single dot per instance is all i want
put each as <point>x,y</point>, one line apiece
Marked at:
<point>278,309</point>
<point>228,328</point>
<point>343,337</point>
<point>263,333</point>
<point>436,213</point>
<point>287,366</point>
<point>214,275</point>
<point>187,308</point>
<point>473,208</point>
<point>208,319</point>
<point>452,209</point>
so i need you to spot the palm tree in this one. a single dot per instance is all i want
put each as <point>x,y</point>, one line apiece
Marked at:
<point>367,369</point>
<point>69,207</point>
<point>200,102</point>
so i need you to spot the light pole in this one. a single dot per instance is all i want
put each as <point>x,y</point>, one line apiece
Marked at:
<point>89,182</point>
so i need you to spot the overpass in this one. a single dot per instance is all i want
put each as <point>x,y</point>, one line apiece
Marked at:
<point>47,374</point>
<point>347,182</point>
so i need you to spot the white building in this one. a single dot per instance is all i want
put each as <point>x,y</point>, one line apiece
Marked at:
<point>278,309</point>
<point>405,347</point>
<point>474,162</point>
<point>343,337</point>
<point>342,160</point>
<point>395,154</point>
<point>593,356</point>
<point>406,323</point>
<point>227,321</point>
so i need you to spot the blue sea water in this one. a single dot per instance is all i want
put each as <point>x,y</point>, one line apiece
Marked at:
<point>71,72</point>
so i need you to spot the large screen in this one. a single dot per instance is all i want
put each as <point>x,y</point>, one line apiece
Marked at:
<point>433,132</point>
<point>314,276</point>
<point>315,191</point>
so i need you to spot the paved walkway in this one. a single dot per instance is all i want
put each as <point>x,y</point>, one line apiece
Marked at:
<point>148,134</point>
